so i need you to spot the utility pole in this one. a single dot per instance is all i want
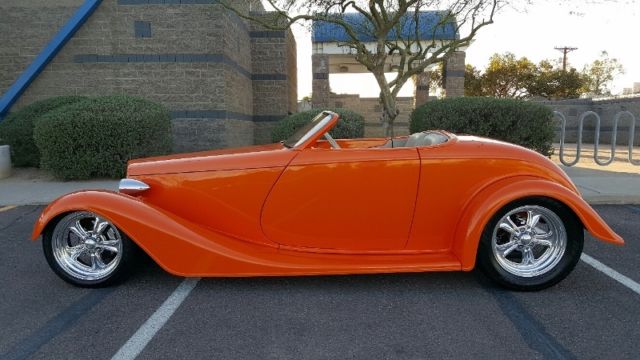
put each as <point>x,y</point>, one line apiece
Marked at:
<point>565,50</point>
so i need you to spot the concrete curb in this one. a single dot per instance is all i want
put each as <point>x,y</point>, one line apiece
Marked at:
<point>612,200</point>
<point>5,161</point>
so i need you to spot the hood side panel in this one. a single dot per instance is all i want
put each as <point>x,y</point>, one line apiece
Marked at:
<point>225,201</point>
<point>230,159</point>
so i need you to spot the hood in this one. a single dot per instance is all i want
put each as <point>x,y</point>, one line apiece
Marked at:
<point>258,156</point>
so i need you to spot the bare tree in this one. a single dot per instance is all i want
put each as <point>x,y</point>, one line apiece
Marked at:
<point>394,29</point>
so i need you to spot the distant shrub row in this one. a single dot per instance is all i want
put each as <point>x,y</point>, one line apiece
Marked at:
<point>16,130</point>
<point>351,124</point>
<point>80,138</point>
<point>520,122</point>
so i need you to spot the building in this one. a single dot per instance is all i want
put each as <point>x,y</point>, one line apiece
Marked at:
<point>632,90</point>
<point>225,81</point>
<point>330,56</point>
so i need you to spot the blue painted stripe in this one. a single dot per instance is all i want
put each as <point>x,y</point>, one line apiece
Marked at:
<point>46,55</point>
<point>223,115</point>
<point>268,77</point>
<point>178,58</point>
<point>267,34</point>
<point>209,114</point>
<point>158,58</point>
<point>268,118</point>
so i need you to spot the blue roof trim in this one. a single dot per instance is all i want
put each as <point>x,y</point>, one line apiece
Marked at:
<point>46,55</point>
<point>427,22</point>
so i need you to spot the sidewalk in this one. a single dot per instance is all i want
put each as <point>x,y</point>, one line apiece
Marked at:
<point>618,183</point>
<point>36,187</point>
<point>606,187</point>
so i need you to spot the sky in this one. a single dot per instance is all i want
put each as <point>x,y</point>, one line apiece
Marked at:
<point>532,31</point>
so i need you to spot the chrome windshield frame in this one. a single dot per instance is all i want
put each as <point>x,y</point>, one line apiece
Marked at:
<point>314,130</point>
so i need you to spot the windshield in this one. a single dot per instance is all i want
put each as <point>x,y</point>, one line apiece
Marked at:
<point>308,130</point>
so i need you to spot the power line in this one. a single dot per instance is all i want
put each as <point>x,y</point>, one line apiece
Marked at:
<point>565,50</point>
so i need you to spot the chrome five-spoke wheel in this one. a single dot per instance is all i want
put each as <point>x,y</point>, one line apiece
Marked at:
<point>529,241</point>
<point>85,248</point>
<point>531,244</point>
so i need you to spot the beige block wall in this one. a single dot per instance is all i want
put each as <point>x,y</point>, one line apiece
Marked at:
<point>371,109</point>
<point>606,109</point>
<point>274,79</point>
<point>26,27</point>
<point>193,29</point>
<point>292,71</point>
<point>211,99</point>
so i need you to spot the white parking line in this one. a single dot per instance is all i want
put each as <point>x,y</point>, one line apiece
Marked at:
<point>634,286</point>
<point>154,323</point>
<point>134,346</point>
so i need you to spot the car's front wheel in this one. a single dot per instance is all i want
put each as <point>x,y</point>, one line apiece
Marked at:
<point>87,250</point>
<point>531,244</point>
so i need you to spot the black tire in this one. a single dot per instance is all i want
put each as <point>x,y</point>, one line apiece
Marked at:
<point>120,271</point>
<point>489,260</point>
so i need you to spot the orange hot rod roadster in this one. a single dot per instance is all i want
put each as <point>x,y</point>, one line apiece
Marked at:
<point>432,201</point>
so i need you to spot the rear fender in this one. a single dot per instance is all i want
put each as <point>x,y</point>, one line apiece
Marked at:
<point>178,246</point>
<point>491,199</point>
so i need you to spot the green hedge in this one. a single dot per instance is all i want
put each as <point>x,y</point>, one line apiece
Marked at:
<point>351,124</point>
<point>96,138</point>
<point>524,123</point>
<point>16,130</point>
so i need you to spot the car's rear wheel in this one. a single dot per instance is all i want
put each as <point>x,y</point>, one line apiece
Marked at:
<point>531,244</point>
<point>87,250</point>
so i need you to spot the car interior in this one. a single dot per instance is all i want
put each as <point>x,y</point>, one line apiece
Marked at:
<point>425,138</point>
<point>420,139</point>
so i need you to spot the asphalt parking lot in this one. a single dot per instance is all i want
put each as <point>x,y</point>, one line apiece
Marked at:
<point>408,316</point>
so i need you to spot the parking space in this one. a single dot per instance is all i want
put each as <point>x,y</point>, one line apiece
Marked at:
<point>626,221</point>
<point>405,316</point>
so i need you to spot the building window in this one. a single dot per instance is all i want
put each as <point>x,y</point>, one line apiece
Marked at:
<point>142,29</point>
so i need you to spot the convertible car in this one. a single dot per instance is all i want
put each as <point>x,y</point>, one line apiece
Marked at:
<point>313,205</point>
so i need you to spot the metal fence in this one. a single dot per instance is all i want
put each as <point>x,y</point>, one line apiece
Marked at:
<point>596,141</point>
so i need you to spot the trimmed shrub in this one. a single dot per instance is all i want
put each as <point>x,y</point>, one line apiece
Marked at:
<point>16,130</point>
<point>96,138</point>
<point>350,125</point>
<point>520,122</point>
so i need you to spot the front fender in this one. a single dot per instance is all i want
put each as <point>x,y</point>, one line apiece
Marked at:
<point>177,245</point>
<point>488,201</point>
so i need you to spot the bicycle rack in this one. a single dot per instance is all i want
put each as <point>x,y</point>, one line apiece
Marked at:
<point>596,139</point>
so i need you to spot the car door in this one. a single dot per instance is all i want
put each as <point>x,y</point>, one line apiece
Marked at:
<point>344,199</point>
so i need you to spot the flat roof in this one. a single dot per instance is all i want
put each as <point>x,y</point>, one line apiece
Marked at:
<point>428,24</point>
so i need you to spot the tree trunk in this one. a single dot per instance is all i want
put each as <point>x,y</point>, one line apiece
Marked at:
<point>389,107</point>
<point>389,114</point>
